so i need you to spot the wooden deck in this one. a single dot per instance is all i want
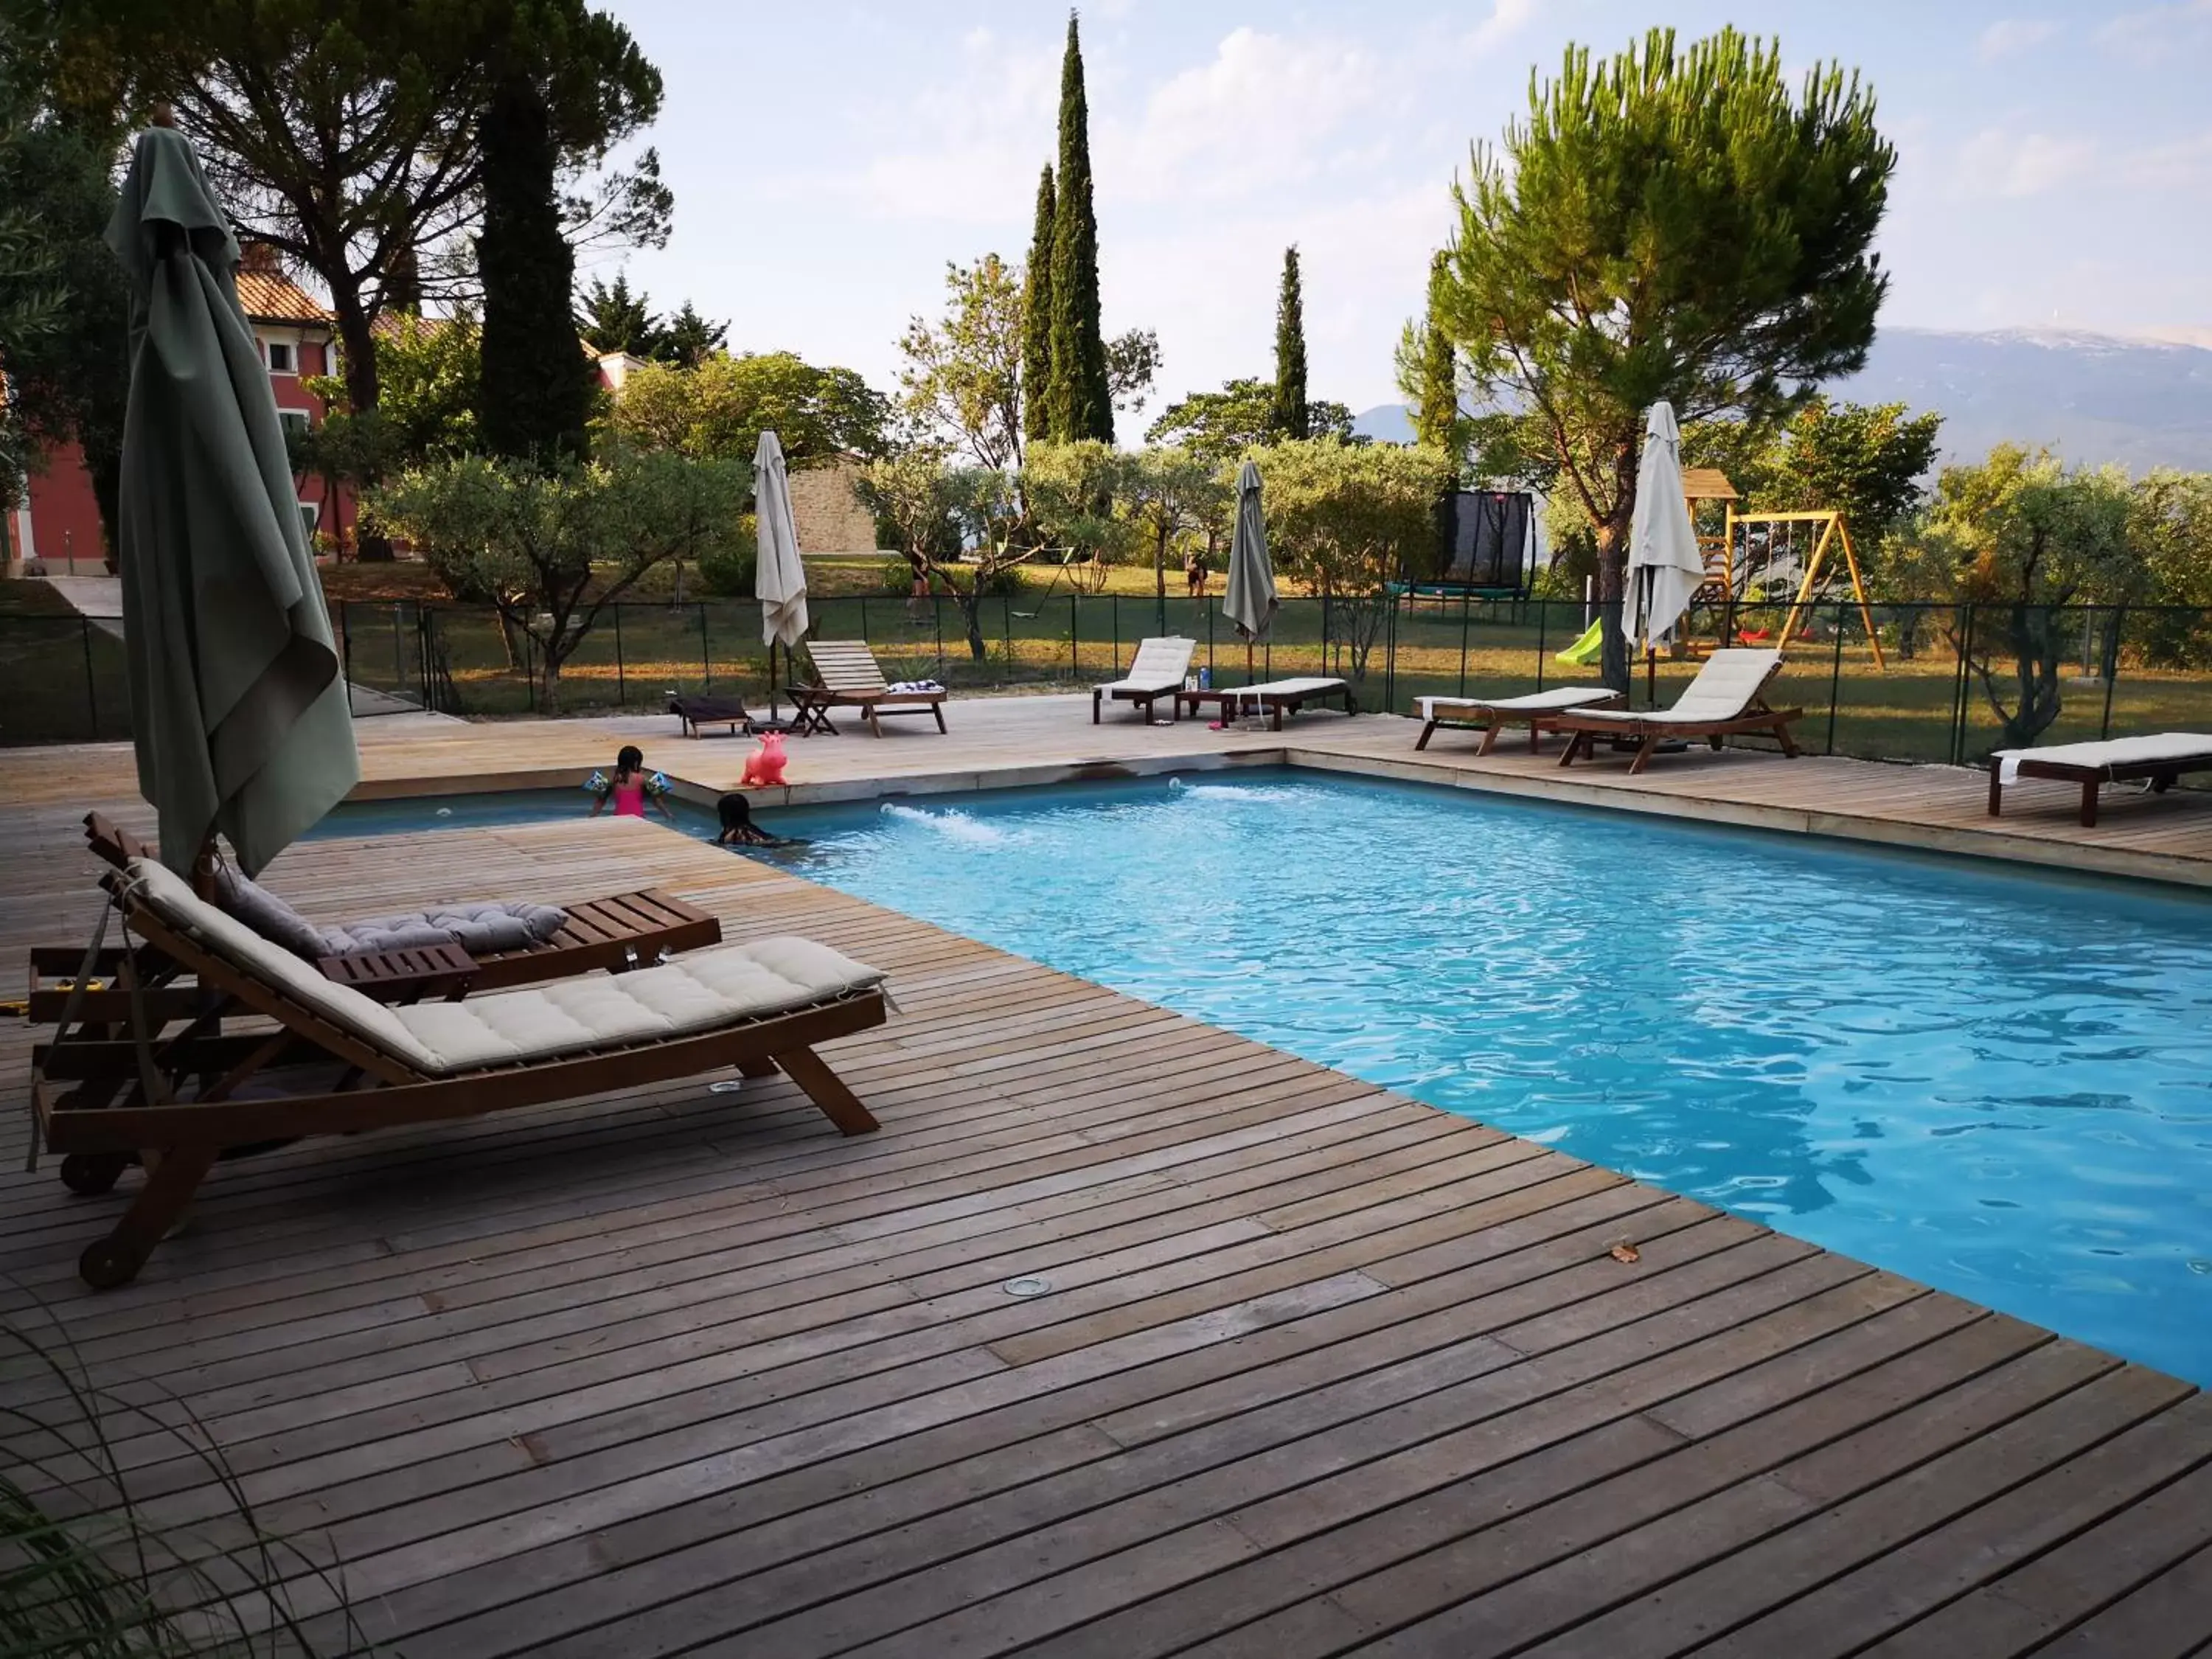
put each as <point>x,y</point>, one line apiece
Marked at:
<point>1320,1369</point>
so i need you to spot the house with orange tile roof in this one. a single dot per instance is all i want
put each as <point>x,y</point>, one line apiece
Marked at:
<point>58,524</point>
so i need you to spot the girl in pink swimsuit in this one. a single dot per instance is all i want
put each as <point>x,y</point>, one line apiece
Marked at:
<point>629,791</point>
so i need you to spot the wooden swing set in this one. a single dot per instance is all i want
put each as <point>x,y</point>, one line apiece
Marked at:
<point>1729,584</point>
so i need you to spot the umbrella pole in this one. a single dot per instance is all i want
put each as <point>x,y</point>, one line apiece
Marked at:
<point>771,677</point>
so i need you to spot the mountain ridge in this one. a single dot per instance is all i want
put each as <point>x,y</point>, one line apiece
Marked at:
<point>2144,400</point>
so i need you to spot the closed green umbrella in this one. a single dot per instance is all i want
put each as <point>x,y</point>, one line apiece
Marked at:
<point>238,707</point>
<point>1251,601</point>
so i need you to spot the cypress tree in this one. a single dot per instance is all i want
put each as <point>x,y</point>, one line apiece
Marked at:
<point>1435,411</point>
<point>536,387</point>
<point>1037,319</point>
<point>1080,405</point>
<point>1288,416</point>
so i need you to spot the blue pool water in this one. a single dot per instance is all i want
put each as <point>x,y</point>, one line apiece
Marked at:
<point>1997,1084</point>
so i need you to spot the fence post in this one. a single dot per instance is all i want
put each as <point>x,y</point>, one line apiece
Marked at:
<point>1390,662</point>
<point>706,654</point>
<point>91,690</point>
<point>1006,632</point>
<point>1543,615</point>
<point>1835,678</point>
<point>622,696</point>
<point>936,627</point>
<point>2111,664</point>
<point>399,653</point>
<point>1965,686</point>
<point>1209,636</point>
<point>1466,612</point>
<point>1075,637</point>
<point>345,654</point>
<point>1114,622</point>
<point>530,672</point>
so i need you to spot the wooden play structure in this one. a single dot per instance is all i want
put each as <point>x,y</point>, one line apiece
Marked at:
<point>1752,549</point>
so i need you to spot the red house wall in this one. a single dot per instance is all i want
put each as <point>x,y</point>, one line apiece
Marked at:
<point>65,519</point>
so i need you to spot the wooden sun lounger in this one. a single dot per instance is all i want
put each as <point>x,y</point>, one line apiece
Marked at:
<point>1275,697</point>
<point>2160,758</point>
<point>847,676</point>
<point>696,712</point>
<point>186,1108</point>
<point>616,932</point>
<point>1489,715</point>
<point>1157,672</point>
<point>1728,698</point>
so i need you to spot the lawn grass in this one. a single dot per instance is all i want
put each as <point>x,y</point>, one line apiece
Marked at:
<point>1044,636</point>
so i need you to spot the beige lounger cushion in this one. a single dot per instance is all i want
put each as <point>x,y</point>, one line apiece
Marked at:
<point>1533,702</point>
<point>700,991</point>
<point>1160,667</point>
<point>1724,690</point>
<point>1308,687</point>
<point>2115,752</point>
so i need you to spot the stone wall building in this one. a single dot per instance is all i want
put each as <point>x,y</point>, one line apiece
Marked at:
<point>825,511</point>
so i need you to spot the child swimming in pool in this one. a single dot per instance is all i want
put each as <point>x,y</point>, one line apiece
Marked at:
<point>738,828</point>
<point>631,787</point>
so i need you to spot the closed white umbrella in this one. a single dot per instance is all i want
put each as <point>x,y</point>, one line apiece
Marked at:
<point>1665,568</point>
<point>779,574</point>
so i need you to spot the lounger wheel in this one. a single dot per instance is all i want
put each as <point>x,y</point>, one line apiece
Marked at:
<point>88,1175</point>
<point>106,1264</point>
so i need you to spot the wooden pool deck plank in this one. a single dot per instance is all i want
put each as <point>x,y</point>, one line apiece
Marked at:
<point>1321,1369</point>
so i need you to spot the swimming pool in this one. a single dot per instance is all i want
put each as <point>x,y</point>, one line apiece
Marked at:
<point>1997,1084</point>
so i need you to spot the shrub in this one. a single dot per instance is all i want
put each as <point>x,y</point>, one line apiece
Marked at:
<point>728,569</point>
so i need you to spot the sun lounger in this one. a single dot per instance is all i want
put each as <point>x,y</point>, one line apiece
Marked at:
<point>1158,672</point>
<point>847,676</point>
<point>1490,714</point>
<point>340,1062</point>
<point>1274,698</point>
<point>616,933</point>
<point>696,712</point>
<point>1728,697</point>
<point>2161,758</point>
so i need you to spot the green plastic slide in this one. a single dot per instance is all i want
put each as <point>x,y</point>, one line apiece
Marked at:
<point>1586,649</point>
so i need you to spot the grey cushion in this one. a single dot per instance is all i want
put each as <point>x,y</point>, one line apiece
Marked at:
<point>267,914</point>
<point>476,928</point>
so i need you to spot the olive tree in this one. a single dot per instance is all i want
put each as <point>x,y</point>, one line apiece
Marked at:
<point>2029,537</point>
<point>939,512</point>
<point>1670,222</point>
<point>553,550</point>
<point>1343,520</point>
<point>1168,492</point>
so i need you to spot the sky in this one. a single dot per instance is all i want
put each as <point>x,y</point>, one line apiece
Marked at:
<point>828,159</point>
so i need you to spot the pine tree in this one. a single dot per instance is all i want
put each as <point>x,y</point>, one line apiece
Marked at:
<point>689,339</point>
<point>537,386</point>
<point>1037,319</point>
<point>611,318</point>
<point>1081,403</point>
<point>1289,418</point>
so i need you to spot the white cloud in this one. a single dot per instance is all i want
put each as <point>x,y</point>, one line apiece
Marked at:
<point>2011,35</point>
<point>2184,165</point>
<point>1265,110</point>
<point>1994,161</point>
<point>1507,18</point>
<point>2153,34</point>
<point>988,129</point>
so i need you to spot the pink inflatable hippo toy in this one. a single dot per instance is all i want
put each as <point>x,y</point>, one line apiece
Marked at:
<point>764,767</point>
